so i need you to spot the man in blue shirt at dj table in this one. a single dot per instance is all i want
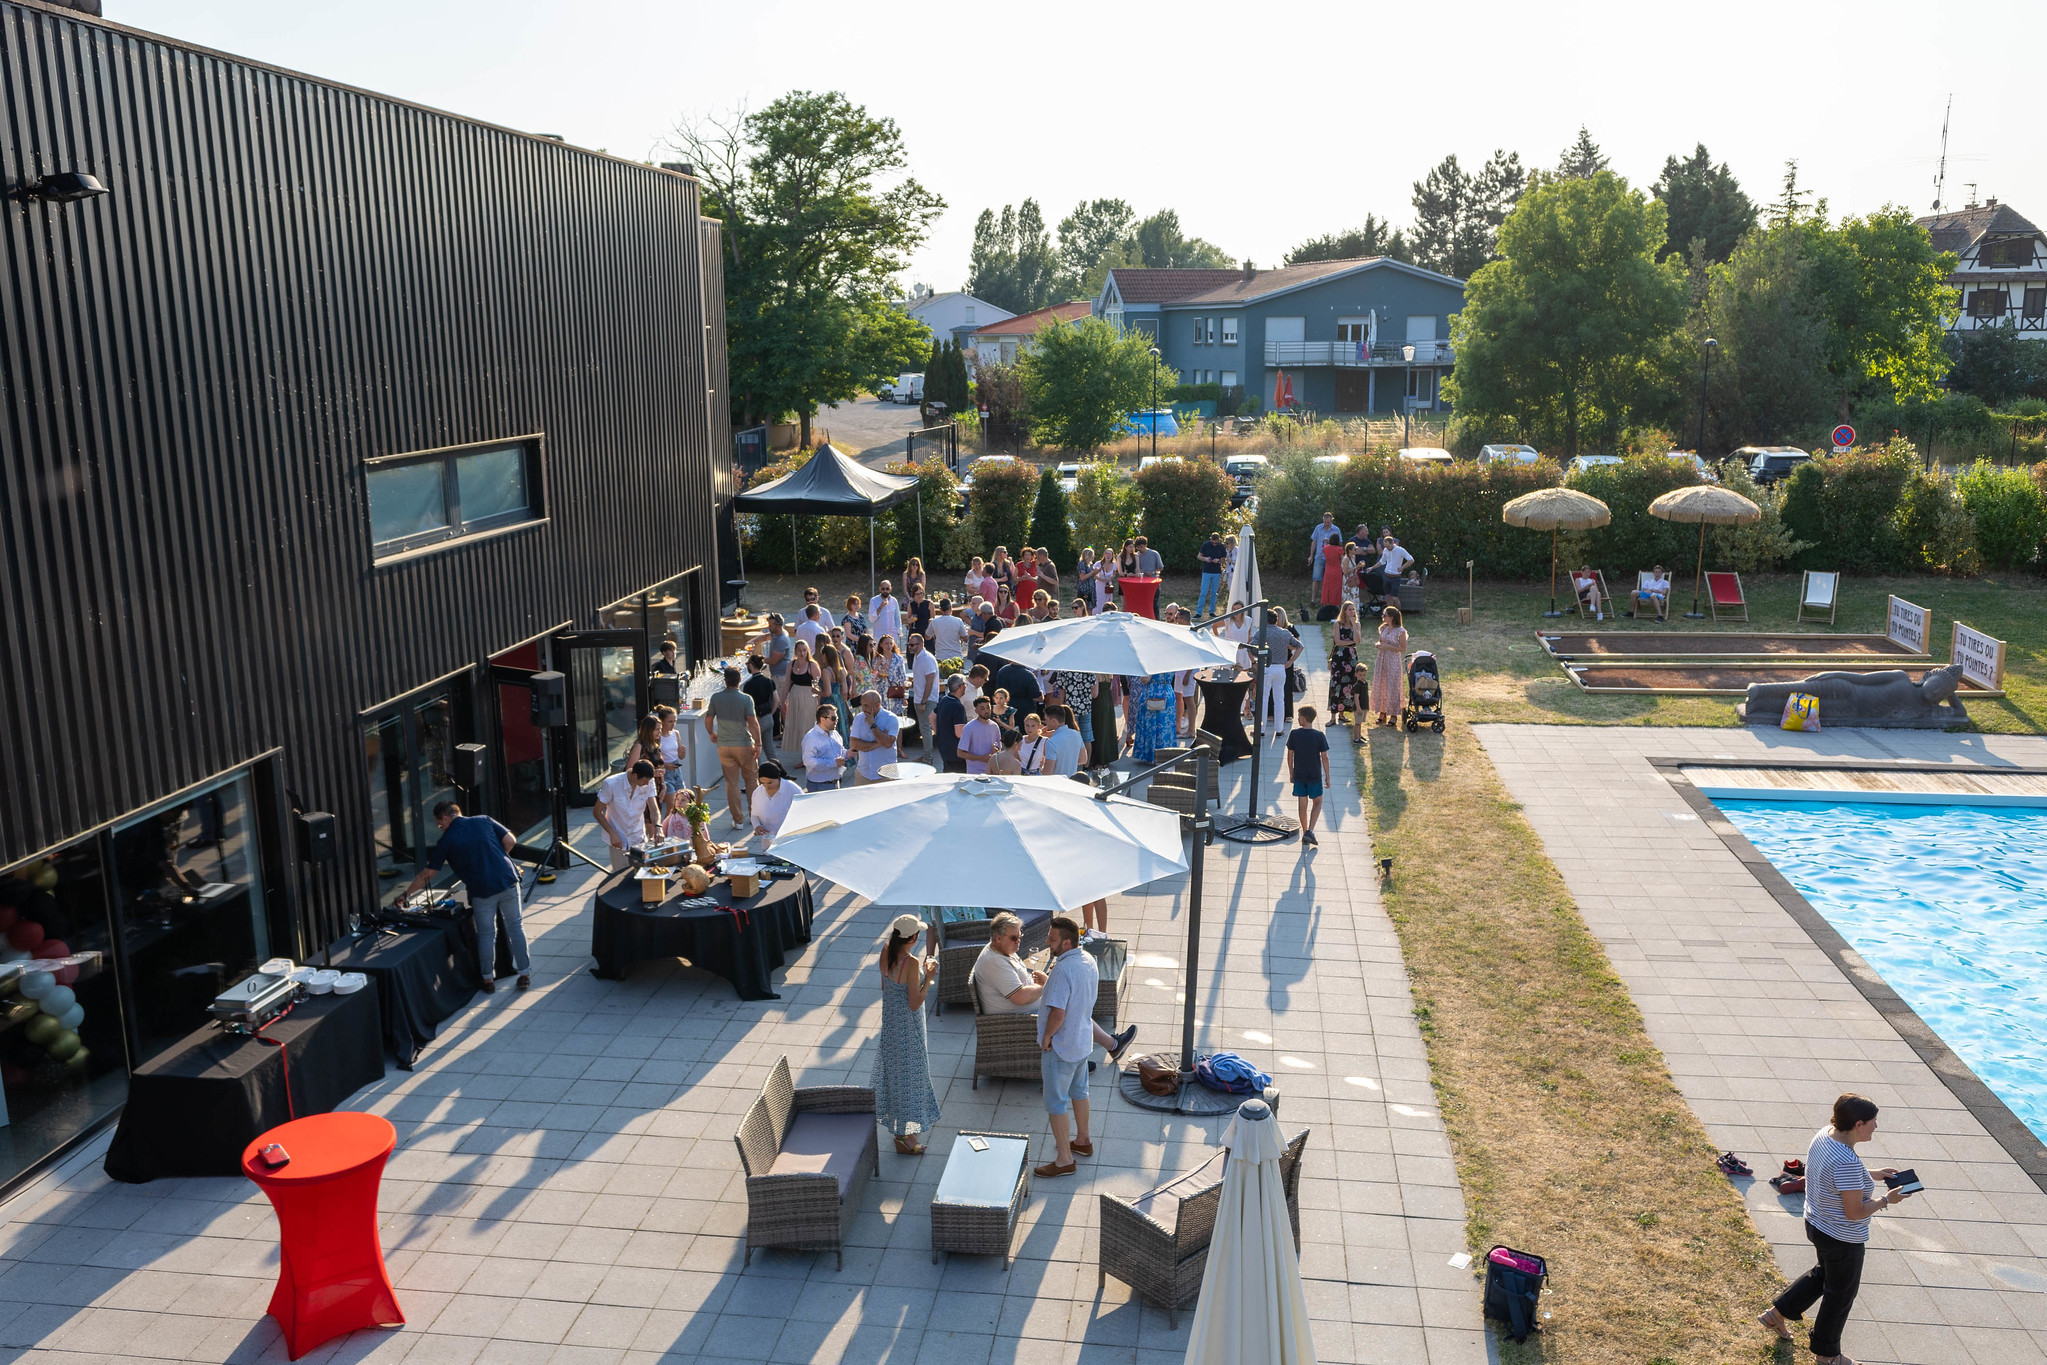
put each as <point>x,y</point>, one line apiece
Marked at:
<point>479,850</point>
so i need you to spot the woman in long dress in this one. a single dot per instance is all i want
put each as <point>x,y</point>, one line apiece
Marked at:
<point>890,675</point>
<point>903,1097</point>
<point>800,695</point>
<point>1155,720</point>
<point>1332,573</point>
<point>1084,578</point>
<point>1388,661</point>
<point>1343,664</point>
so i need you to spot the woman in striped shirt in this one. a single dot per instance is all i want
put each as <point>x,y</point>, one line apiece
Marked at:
<point>1838,1208</point>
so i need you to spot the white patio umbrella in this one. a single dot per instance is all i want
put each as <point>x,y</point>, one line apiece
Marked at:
<point>1030,843</point>
<point>1244,585</point>
<point>1253,1310</point>
<point>1116,642</point>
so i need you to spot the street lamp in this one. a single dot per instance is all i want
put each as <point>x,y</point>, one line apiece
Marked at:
<point>1154,402</point>
<point>1706,350</point>
<point>1407,399</point>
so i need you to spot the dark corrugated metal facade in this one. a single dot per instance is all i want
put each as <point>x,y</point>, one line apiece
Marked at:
<point>286,279</point>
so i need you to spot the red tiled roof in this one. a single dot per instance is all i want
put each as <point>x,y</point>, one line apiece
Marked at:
<point>1169,286</point>
<point>1028,324</point>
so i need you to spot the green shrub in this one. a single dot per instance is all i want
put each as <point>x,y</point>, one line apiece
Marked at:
<point>1845,507</point>
<point>1196,393</point>
<point>2006,506</point>
<point>1051,529</point>
<point>1104,507</point>
<point>938,492</point>
<point>1001,503</point>
<point>1761,547</point>
<point>1936,529</point>
<point>1180,502</point>
<point>1634,540</point>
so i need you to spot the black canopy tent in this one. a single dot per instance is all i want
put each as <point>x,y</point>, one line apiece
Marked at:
<point>833,484</point>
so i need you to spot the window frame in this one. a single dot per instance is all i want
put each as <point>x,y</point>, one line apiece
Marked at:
<point>1984,309</point>
<point>1230,332</point>
<point>533,448</point>
<point>1200,325</point>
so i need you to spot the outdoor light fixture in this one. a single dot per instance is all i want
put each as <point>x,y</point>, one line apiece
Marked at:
<point>1407,398</point>
<point>61,187</point>
<point>1385,869</point>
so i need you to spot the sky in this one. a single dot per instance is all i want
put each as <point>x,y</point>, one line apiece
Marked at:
<point>1262,126</point>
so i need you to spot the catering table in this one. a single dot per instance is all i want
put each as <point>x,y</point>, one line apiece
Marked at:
<point>1222,709</point>
<point>423,975</point>
<point>330,1273</point>
<point>743,949</point>
<point>1140,595</point>
<point>192,1109</point>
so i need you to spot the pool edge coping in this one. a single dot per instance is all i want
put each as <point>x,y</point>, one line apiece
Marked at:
<point>2006,1128</point>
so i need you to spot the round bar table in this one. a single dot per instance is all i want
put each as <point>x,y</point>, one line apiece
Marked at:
<point>1141,596</point>
<point>330,1277</point>
<point>1222,709</point>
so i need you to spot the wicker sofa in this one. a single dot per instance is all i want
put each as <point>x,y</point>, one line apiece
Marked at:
<point>1158,1243</point>
<point>807,1154</point>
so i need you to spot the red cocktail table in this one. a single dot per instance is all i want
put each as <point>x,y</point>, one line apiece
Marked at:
<point>1141,595</point>
<point>331,1278</point>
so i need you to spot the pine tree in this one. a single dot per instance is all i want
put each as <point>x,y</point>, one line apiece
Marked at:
<point>1051,528</point>
<point>1582,159</point>
<point>1704,202</point>
<point>932,373</point>
<point>1441,203</point>
<point>962,388</point>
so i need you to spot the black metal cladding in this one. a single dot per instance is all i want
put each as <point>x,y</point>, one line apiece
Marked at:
<point>287,278</point>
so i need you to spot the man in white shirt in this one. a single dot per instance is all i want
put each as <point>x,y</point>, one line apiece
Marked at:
<point>810,625</point>
<point>1061,757</point>
<point>873,738</point>
<point>1006,986</point>
<point>824,615</point>
<point>948,633</point>
<point>626,811</point>
<point>888,613</point>
<point>771,806</point>
<point>923,692</point>
<point>1387,569</point>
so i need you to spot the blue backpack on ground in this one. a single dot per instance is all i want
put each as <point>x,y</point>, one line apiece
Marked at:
<point>1231,1074</point>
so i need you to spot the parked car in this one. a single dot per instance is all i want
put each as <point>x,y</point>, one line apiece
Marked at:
<point>1699,466</point>
<point>1594,461</point>
<point>908,388</point>
<point>1509,454</point>
<point>1768,464</point>
<point>1426,455</point>
<point>1245,471</point>
<point>1069,478</point>
<point>1332,459</point>
<point>1148,461</point>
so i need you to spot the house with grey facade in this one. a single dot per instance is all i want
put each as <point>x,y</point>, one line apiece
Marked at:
<point>1340,331</point>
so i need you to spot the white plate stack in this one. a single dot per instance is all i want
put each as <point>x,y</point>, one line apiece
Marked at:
<point>348,983</point>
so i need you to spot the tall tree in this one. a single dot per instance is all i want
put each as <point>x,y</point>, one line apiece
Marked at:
<point>1705,202</point>
<point>1013,264</point>
<point>1882,290</point>
<point>1458,214</point>
<point>1375,238</point>
<point>1086,235</point>
<point>1790,204</point>
<point>1768,382</point>
<point>1582,159</point>
<point>1162,246</point>
<point>813,247</point>
<point>1083,379</point>
<point>1574,330</point>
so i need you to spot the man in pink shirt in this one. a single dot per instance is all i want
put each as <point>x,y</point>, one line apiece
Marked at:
<point>980,737</point>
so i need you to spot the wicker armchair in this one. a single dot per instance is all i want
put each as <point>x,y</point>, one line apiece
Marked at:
<point>807,1155</point>
<point>1184,774</point>
<point>959,944</point>
<point>1109,992</point>
<point>1005,1044</point>
<point>1158,1243</point>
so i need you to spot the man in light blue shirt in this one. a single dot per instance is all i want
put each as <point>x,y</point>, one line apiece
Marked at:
<point>1066,1039</point>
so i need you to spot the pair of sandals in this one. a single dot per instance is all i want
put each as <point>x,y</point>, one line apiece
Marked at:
<point>1781,1325</point>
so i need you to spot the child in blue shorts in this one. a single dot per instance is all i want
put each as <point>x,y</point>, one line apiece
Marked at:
<point>1307,754</point>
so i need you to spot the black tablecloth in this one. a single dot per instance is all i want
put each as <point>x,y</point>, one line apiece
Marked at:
<point>777,922</point>
<point>423,975</point>
<point>1222,712</point>
<point>193,1109</point>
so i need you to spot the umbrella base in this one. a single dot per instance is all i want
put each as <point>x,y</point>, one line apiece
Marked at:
<point>1552,615</point>
<point>1257,829</point>
<point>1695,616</point>
<point>1194,1099</point>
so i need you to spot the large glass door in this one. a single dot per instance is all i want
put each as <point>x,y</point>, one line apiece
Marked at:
<point>607,695</point>
<point>408,758</point>
<point>524,797</point>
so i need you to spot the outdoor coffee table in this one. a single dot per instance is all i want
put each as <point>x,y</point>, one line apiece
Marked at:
<point>981,1195</point>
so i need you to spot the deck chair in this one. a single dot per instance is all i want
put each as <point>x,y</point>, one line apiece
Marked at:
<point>1635,602</point>
<point>1725,591</point>
<point>1821,592</point>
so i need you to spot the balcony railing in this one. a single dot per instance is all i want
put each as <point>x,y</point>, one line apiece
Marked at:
<point>1349,354</point>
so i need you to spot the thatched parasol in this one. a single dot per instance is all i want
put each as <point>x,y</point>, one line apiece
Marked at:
<point>1554,510</point>
<point>1709,505</point>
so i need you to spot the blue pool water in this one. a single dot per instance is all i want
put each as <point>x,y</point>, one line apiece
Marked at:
<point>1948,904</point>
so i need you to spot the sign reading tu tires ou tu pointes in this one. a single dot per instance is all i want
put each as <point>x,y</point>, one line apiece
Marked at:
<point>1981,657</point>
<point>1908,625</point>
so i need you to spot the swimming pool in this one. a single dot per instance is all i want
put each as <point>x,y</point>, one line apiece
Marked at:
<point>1948,904</point>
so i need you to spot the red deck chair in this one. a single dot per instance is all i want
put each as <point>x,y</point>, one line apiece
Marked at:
<point>1728,603</point>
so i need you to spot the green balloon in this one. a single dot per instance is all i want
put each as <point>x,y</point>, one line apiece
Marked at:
<point>65,1045</point>
<point>42,1029</point>
<point>79,1060</point>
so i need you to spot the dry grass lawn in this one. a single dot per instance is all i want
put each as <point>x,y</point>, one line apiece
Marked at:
<point>1570,1138</point>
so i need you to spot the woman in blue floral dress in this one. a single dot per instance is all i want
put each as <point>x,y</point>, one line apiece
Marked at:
<point>903,1097</point>
<point>1157,720</point>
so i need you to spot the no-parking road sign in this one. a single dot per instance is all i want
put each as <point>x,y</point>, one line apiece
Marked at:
<point>1844,436</point>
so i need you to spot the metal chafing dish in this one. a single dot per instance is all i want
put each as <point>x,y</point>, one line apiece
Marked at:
<point>253,1001</point>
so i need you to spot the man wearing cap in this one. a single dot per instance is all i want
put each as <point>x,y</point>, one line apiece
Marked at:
<point>479,850</point>
<point>1066,1042</point>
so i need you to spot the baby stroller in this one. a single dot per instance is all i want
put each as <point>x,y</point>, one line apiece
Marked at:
<point>1424,694</point>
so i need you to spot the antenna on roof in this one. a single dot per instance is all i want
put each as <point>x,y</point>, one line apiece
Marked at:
<point>1940,176</point>
<point>1972,194</point>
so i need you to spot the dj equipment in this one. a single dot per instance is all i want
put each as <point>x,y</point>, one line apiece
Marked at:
<point>254,1001</point>
<point>316,837</point>
<point>469,760</point>
<point>665,689</point>
<point>550,699</point>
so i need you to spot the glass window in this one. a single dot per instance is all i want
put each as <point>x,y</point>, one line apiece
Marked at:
<point>1229,379</point>
<point>2036,302</point>
<point>405,501</point>
<point>1197,331</point>
<point>408,757</point>
<point>492,483</point>
<point>190,908</point>
<point>1229,331</point>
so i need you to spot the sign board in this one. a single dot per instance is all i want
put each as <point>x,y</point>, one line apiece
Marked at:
<point>1981,658</point>
<point>1844,436</point>
<point>1908,625</point>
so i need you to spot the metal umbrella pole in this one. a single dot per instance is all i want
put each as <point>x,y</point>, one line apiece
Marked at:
<point>1254,826</point>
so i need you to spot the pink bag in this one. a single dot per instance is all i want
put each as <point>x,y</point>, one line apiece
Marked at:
<point>1514,1260</point>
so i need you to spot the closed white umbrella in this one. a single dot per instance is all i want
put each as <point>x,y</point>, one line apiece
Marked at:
<point>1244,584</point>
<point>1253,1310</point>
<point>1116,642</point>
<point>1028,843</point>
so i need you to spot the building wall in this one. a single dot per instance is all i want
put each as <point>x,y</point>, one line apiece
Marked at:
<point>2022,284</point>
<point>289,278</point>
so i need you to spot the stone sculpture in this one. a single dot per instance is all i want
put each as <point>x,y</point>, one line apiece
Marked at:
<point>1884,700</point>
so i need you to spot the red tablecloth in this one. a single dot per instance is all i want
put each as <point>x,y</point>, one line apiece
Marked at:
<point>1141,596</point>
<point>331,1277</point>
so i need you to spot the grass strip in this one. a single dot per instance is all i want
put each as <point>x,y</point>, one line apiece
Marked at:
<point>1570,1138</point>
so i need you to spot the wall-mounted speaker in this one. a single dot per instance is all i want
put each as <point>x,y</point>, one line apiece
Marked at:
<point>469,766</point>
<point>316,837</point>
<point>550,700</point>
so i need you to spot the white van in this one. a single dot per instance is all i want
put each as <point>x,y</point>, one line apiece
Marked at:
<point>1509,454</point>
<point>908,388</point>
<point>1426,455</point>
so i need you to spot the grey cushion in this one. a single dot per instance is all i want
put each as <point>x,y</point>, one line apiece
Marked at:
<point>982,1179</point>
<point>1162,1205</point>
<point>825,1144</point>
